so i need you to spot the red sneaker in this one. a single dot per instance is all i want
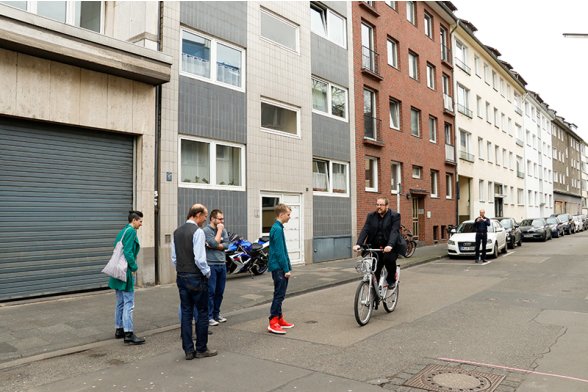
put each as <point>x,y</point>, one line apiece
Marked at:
<point>274,327</point>
<point>283,323</point>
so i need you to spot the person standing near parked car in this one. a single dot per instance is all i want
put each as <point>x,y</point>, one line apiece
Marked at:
<point>125,292</point>
<point>481,224</point>
<point>217,240</point>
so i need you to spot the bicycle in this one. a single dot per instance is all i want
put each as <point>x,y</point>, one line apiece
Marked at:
<point>370,292</point>
<point>410,242</point>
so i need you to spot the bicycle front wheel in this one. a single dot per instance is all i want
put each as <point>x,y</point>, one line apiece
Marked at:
<point>391,299</point>
<point>364,299</point>
<point>410,248</point>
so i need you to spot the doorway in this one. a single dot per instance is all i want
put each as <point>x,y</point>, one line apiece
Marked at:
<point>293,230</point>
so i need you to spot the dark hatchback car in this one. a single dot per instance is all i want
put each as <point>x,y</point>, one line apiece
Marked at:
<point>514,236</point>
<point>557,226</point>
<point>535,229</point>
<point>567,221</point>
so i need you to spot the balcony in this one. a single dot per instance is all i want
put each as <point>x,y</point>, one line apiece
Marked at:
<point>369,62</point>
<point>446,54</point>
<point>371,130</point>
<point>465,111</point>
<point>466,156</point>
<point>448,103</point>
<point>463,66</point>
<point>520,174</point>
<point>449,153</point>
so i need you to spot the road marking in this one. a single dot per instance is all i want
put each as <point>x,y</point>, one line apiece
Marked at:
<point>515,369</point>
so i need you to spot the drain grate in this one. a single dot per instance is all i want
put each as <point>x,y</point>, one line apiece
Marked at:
<point>439,378</point>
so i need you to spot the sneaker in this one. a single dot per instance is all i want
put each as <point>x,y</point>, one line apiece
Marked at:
<point>190,356</point>
<point>283,323</point>
<point>206,354</point>
<point>212,322</point>
<point>274,327</point>
<point>221,319</point>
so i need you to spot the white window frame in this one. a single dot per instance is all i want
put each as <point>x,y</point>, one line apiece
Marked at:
<point>433,132</point>
<point>411,12</point>
<point>70,8</point>
<point>481,192</point>
<point>417,172</point>
<point>283,106</point>
<point>392,49</point>
<point>396,114</point>
<point>285,21</point>
<point>330,100</point>
<point>330,191</point>
<point>329,17</point>
<point>434,183</point>
<point>448,185</point>
<point>419,125</point>
<point>428,24</point>
<point>374,163</point>
<point>431,76</point>
<point>413,65</point>
<point>213,59</point>
<point>395,166</point>
<point>212,165</point>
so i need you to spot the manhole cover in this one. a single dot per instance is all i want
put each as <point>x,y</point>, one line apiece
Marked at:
<point>439,378</point>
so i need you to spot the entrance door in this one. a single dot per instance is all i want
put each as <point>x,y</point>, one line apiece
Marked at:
<point>498,206</point>
<point>416,205</point>
<point>293,229</point>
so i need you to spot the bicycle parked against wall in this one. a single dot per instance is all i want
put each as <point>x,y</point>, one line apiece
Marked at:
<point>370,292</point>
<point>410,242</point>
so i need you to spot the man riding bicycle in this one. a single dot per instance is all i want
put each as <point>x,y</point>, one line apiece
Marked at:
<point>381,230</point>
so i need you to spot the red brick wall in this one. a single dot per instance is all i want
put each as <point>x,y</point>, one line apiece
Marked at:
<point>400,145</point>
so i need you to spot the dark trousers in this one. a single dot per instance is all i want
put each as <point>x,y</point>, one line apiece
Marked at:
<point>280,287</point>
<point>387,260</point>
<point>481,239</point>
<point>193,290</point>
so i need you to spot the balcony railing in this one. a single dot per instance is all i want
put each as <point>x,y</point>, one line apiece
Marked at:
<point>520,174</point>
<point>463,66</point>
<point>466,156</point>
<point>449,153</point>
<point>445,53</point>
<point>369,60</point>
<point>371,128</point>
<point>448,103</point>
<point>463,110</point>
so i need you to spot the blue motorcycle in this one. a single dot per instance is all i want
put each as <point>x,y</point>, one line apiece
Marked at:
<point>245,256</point>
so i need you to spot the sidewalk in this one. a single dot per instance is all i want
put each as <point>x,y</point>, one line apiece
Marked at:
<point>37,329</point>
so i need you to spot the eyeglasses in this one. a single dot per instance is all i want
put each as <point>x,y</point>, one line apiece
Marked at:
<point>222,219</point>
<point>380,205</point>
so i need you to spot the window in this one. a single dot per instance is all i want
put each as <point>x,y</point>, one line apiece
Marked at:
<point>396,178</point>
<point>444,44</point>
<point>328,24</point>
<point>486,73</point>
<point>479,106</point>
<point>488,111</point>
<point>448,134</point>
<point>480,148</point>
<point>448,186</point>
<point>279,30</point>
<point>428,25</point>
<point>463,98</point>
<point>490,192</point>
<point>520,196</point>
<point>481,190</point>
<point>431,76</point>
<point>477,65</point>
<point>329,99</point>
<point>489,151</point>
<point>464,142</point>
<point>411,12</point>
<point>415,122</point>
<point>432,129</point>
<point>417,171</point>
<point>393,52</point>
<point>494,81</point>
<point>369,114</point>
<point>279,117</point>
<point>413,65</point>
<point>496,117</point>
<point>394,114</point>
<point>330,177</point>
<point>368,55</point>
<point>497,155</point>
<point>391,4</point>
<point>85,14</point>
<point>461,55</point>
<point>434,183</point>
<point>371,174</point>
<point>211,164</point>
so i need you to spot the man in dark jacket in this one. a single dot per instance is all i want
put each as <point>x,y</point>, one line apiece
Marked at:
<point>481,224</point>
<point>382,230</point>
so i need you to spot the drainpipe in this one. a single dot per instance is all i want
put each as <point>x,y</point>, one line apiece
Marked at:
<point>157,164</point>
<point>457,190</point>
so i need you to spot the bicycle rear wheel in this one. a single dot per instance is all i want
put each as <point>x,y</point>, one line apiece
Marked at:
<point>410,248</point>
<point>364,299</point>
<point>391,299</point>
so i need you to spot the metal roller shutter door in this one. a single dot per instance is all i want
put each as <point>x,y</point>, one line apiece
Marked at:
<point>64,194</point>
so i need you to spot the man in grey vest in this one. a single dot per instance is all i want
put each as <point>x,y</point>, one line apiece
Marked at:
<point>217,240</point>
<point>189,257</point>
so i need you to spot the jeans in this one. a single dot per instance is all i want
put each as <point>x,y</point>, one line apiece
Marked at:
<point>280,287</point>
<point>123,311</point>
<point>180,313</point>
<point>483,239</point>
<point>216,289</point>
<point>193,290</point>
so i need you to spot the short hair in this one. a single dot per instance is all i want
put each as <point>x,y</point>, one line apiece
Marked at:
<point>385,200</point>
<point>215,213</point>
<point>281,208</point>
<point>134,215</point>
<point>195,210</point>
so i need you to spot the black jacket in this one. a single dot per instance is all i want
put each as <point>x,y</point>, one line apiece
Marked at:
<point>389,226</point>
<point>481,225</point>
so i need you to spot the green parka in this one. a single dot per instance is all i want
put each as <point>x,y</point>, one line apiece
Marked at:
<point>131,250</point>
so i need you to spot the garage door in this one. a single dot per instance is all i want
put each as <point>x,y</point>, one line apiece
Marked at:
<point>64,194</point>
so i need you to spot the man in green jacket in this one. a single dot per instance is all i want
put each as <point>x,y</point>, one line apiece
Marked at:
<point>280,267</point>
<point>125,292</point>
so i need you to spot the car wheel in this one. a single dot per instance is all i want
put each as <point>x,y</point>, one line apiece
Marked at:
<point>505,249</point>
<point>520,243</point>
<point>495,250</point>
<point>544,237</point>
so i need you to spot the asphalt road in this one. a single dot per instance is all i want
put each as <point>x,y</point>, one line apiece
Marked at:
<point>521,319</point>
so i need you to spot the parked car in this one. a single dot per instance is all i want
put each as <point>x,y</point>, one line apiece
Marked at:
<point>535,229</point>
<point>578,223</point>
<point>566,219</point>
<point>513,232</point>
<point>463,240</point>
<point>557,227</point>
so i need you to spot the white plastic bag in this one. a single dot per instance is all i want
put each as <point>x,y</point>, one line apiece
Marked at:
<point>117,265</point>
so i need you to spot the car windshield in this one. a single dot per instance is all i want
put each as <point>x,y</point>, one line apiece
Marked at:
<point>532,222</point>
<point>552,220</point>
<point>506,223</point>
<point>563,217</point>
<point>468,227</point>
